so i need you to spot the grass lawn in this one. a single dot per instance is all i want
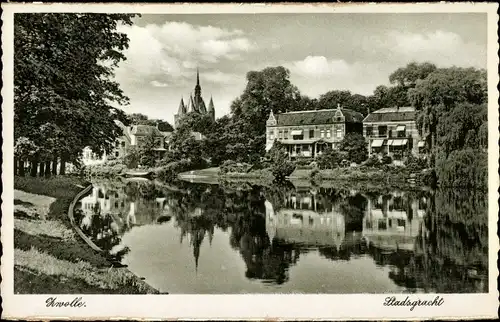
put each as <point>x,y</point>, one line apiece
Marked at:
<point>48,256</point>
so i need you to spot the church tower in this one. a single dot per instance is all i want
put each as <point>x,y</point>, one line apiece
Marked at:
<point>195,104</point>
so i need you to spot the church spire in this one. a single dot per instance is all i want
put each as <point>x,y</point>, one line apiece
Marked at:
<point>197,88</point>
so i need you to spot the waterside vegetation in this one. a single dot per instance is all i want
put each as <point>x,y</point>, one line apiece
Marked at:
<point>47,248</point>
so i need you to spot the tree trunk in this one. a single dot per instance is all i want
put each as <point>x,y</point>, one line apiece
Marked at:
<point>54,166</point>
<point>42,169</point>
<point>62,170</point>
<point>21,167</point>
<point>16,162</point>
<point>47,168</point>
<point>34,168</point>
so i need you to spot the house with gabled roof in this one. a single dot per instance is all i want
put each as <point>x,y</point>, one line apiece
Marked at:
<point>308,133</point>
<point>393,131</point>
<point>132,136</point>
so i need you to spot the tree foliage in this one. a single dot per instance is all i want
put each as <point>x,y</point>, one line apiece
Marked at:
<point>65,96</point>
<point>138,118</point>
<point>356,147</point>
<point>440,93</point>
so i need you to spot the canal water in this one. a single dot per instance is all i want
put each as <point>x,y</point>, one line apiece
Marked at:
<point>240,238</point>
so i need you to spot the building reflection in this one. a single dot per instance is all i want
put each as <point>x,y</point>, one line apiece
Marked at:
<point>417,236</point>
<point>393,222</point>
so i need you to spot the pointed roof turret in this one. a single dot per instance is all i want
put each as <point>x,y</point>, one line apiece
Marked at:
<point>182,107</point>
<point>211,104</point>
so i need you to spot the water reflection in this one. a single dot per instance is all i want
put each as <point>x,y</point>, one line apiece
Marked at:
<point>292,239</point>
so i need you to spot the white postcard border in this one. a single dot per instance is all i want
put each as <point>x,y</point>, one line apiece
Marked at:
<point>311,306</point>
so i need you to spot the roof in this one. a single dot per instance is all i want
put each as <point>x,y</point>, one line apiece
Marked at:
<point>316,117</point>
<point>144,130</point>
<point>392,114</point>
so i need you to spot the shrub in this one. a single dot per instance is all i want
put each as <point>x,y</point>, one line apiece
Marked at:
<point>386,159</point>
<point>315,175</point>
<point>303,161</point>
<point>415,164</point>
<point>230,166</point>
<point>428,178</point>
<point>330,159</point>
<point>372,161</point>
<point>171,170</point>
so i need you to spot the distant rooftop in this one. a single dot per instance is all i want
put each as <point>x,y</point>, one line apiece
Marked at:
<point>395,109</point>
<point>392,114</point>
<point>316,117</point>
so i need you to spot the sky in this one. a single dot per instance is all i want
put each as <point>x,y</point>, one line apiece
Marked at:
<point>334,51</point>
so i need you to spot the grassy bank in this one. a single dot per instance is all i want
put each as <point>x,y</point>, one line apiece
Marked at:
<point>48,256</point>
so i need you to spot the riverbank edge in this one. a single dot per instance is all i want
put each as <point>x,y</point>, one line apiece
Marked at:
<point>88,241</point>
<point>313,175</point>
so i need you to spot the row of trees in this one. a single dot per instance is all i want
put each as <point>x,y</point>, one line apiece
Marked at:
<point>65,96</point>
<point>451,105</point>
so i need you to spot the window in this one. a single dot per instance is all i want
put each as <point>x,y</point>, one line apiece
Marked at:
<point>328,133</point>
<point>271,135</point>
<point>339,119</point>
<point>280,134</point>
<point>286,134</point>
<point>369,131</point>
<point>382,130</point>
<point>311,133</point>
<point>117,154</point>
<point>339,133</point>
<point>123,144</point>
<point>322,133</point>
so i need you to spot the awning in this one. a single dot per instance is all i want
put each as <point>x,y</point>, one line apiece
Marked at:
<point>399,142</point>
<point>390,142</point>
<point>377,143</point>
<point>296,132</point>
<point>401,128</point>
<point>421,144</point>
<point>396,142</point>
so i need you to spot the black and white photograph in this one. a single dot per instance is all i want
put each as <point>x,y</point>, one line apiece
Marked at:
<point>291,153</point>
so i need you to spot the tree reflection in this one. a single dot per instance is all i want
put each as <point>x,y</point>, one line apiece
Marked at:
<point>430,241</point>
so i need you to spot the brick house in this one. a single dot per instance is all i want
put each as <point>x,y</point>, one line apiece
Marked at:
<point>392,131</point>
<point>308,133</point>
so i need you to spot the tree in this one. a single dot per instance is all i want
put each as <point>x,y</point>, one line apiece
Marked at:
<point>141,119</point>
<point>64,92</point>
<point>441,91</point>
<point>267,90</point>
<point>408,76</point>
<point>355,146</point>
<point>147,151</point>
<point>463,127</point>
<point>345,99</point>
<point>281,167</point>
